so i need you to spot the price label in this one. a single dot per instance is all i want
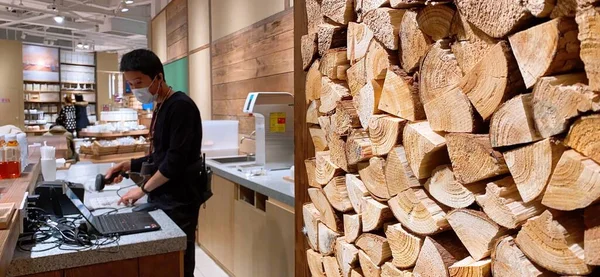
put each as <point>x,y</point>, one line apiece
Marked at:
<point>277,122</point>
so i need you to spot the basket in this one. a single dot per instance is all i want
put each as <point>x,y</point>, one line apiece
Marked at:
<point>123,149</point>
<point>142,147</point>
<point>86,150</point>
<point>104,150</point>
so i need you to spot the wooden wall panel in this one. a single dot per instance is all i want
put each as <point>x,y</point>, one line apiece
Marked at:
<point>258,58</point>
<point>229,16</point>
<point>11,87</point>
<point>159,36</point>
<point>198,23</point>
<point>176,29</point>
<point>200,86</point>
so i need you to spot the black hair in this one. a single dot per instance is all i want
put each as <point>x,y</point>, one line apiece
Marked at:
<point>144,61</point>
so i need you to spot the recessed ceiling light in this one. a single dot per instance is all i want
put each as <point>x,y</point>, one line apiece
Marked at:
<point>86,46</point>
<point>59,18</point>
<point>129,2</point>
<point>125,9</point>
<point>80,45</point>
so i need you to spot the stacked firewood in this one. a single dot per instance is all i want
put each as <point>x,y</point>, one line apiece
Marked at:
<point>453,138</point>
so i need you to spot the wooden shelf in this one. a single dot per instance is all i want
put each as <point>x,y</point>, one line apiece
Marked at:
<point>36,131</point>
<point>114,135</point>
<point>33,91</point>
<point>76,64</point>
<point>78,90</point>
<point>46,102</point>
<point>78,83</point>
<point>35,124</point>
<point>41,82</point>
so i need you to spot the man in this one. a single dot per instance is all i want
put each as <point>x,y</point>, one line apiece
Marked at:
<point>176,136</point>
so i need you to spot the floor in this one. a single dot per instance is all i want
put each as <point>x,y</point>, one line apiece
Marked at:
<point>206,267</point>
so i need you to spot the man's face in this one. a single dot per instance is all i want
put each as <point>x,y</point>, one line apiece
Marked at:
<point>137,79</point>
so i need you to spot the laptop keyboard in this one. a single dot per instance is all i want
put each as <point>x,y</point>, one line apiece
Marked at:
<point>103,202</point>
<point>117,222</point>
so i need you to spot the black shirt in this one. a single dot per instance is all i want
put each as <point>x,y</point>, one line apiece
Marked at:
<point>177,143</point>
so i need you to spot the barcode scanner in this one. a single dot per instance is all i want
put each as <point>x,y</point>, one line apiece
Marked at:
<point>102,181</point>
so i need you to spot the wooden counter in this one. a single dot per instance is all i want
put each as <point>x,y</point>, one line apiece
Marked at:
<point>13,191</point>
<point>113,135</point>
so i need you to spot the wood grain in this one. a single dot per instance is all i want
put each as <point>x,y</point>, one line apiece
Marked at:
<point>117,268</point>
<point>275,63</point>
<point>240,89</point>
<point>170,264</point>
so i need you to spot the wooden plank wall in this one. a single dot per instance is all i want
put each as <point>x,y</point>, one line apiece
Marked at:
<point>257,58</point>
<point>177,30</point>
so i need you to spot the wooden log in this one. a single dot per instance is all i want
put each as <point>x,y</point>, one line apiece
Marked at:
<point>389,270</point>
<point>475,230</point>
<point>357,76</point>
<point>331,60</point>
<point>435,21</point>
<point>315,263</point>
<point>493,80</point>
<point>404,245</point>
<point>313,83</point>
<point>358,147</point>
<point>481,162</point>
<point>309,49</point>
<point>314,15</point>
<point>559,52</point>
<point>312,113</point>
<point>337,150</point>
<point>342,72</point>
<point>327,238</point>
<point>398,174</point>
<point>367,101</point>
<point>373,176</point>
<point>325,123</point>
<point>425,149</point>
<point>311,165</point>
<point>513,123</point>
<point>419,213</point>
<point>532,165</point>
<point>575,183</point>
<point>341,12</point>
<point>330,36</point>
<point>400,95</point>
<point>356,191</point>
<point>331,266</point>
<point>437,254</point>
<point>346,255</point>
<point>447,190</point>
<point>439,72</point>
<point>332,92</point>
<point>370,5</point>
<point>540,8</point>
<point>378,60</point>
<point>328,215</point>
<point>495,18</point>
<point>312,217</point>
<point>468,267</point>
<point>503,204</point>
<point>337,194</point>
<point>325,170</point>
<point>587,20</point>
<point>557,100</point>
<point>374,214</point>
<point>566,8</point>
<point>584,135</point>
<point>508,261</point>
<point>413,42</point>
<point>319,138</point>
<point>471,45</point>
<point>369,268</point>
<point>345,118</point>
<point>555,243</point>
<point>385,23</point>
<point>592,235</point>
<point>405,4</point>
<point>451,111</point>
<point>376,247</point>
<point>385,132</point>
<point>359,38</point>
<point>352,227</point>
<point>356,272</point>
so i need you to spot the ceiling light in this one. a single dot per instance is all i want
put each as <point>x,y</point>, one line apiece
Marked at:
<point>80,45</point>
<point>21,3</point>
<point>23,35</point>
<point>59,18</point>
<point>51,42</point>
<point>124,10</point>
<point>128,2</point>
<point>86,46</point>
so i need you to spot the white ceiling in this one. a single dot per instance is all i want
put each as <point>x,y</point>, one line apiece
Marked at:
<point>97,22</point>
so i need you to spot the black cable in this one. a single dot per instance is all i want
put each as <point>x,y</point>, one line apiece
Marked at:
<point>119,190</point>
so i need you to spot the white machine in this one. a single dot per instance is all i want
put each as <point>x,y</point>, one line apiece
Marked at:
<point>274,113</point>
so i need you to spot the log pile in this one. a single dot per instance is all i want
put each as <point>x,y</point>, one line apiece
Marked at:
<point>453,138</point>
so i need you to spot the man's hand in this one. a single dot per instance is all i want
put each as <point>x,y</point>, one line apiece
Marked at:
<point>122,166</point>
<point>132,196</point>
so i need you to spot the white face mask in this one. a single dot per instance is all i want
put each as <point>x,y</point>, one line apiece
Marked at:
<point>143,94</point>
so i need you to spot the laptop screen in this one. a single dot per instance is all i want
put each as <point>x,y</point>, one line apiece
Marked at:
<point>80,206</point>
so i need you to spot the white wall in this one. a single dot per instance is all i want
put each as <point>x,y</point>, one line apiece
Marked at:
<point>200,86</point>
<point>229,16</point>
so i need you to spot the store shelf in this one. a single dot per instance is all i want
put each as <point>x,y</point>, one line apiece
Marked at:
<point>35,131</point>
<point>46,102</point>
<point>41,82</point>
<point>35,124</point>
<point>78,90</point>
<point>76,64</point>
<point>33,91</point>
<point>114,135</point>
<point>78,83</point>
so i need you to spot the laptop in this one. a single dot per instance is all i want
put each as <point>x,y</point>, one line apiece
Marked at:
<point>115,224</point>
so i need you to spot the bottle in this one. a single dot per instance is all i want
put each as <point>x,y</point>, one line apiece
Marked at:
<point>2,162</point>
<point>12,154</point>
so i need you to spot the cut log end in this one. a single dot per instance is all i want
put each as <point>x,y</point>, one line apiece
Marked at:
<point>374,214</point>
<point>444,188</point>
<point>435,21</point>
<point>509,260</point>
<point>476,231</point>
<point>482,161</point>
<point>425,149</point>
<point>584,135</point>
<point>405,246</point>
<point>376,247</point>
<point>400,95</point>
<point>513,123</point>
<point>419,213</point>
<point>437,254</point>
